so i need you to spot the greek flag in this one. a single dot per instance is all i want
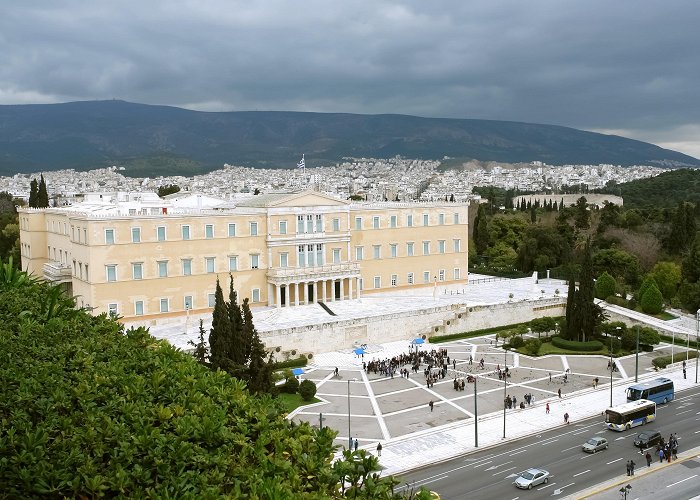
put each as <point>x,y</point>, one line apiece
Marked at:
<point>301,163</point>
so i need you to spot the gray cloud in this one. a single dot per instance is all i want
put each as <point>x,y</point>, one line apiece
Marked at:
<point>626,65</point>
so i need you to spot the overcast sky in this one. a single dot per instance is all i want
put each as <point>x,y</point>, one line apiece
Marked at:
<point>625,67</point>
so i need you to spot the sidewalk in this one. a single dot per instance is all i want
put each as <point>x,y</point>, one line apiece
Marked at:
<point>436,445</point>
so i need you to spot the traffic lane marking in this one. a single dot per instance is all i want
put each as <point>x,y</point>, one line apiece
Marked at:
<point>616,460</point>
<point>504,470</point>
<point>589,470</point>
<point>682,480</point>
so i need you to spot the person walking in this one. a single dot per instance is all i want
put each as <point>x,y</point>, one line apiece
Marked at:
<point>550,377</point>
<point>629,468</point>
<point>632,464</point>
<point>356,444</point>
<point>566,418</point>
<point>430,404</point>
<point>547,409</point>
<point>559,392</point>
<point>648,457</point>
<point>661,455</point>
<point>379,449</point>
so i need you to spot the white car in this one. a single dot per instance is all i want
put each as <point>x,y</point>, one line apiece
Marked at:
<point>594,444</point>
<point>531,477</point>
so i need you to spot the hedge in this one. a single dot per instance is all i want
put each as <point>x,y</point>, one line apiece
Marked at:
<point>299,362</point>
<point>664,361</point>
<point>572,345</point>
<point>679,341</point>
<point>436,339</point>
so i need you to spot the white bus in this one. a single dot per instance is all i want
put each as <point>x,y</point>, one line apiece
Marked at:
<point>628,415</point>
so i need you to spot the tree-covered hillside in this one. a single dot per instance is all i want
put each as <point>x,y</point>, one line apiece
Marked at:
<point>663,191</point>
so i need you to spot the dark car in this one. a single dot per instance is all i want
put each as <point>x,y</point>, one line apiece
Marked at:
<point>645,439</point>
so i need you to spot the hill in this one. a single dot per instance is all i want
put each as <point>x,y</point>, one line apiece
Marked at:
<point>153,140</point>
<point>663,191</point>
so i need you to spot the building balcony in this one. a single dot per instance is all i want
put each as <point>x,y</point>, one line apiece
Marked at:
<point>56,272</point>
<point>282,275</point>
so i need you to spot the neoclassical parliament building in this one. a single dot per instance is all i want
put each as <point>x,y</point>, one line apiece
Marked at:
<point>137,255</point>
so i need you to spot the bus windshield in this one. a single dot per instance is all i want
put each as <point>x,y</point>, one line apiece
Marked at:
<point>634,394</point>
<point>613,417</point>
<point>660,390</point>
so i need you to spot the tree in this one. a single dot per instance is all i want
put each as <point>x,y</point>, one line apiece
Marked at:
<point>220,336</point>
<point>33,193</point>
<point>667,276</point>
<point>480,232</point>
<point>241,342</point>
<point>689,291</point>
<point>605,286</point>
<point>165,190</point>
<point>307,390</point>
<point>646,285</point>
<point>652,301</point>
<point>42,197</point>
<point>259,368</point>
<point>201,351</point>
<point>572,321</point>
<point>582,217</point>
<point>618,263</point>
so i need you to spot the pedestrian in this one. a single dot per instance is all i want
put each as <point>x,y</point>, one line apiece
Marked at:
<point>684,371</point>
<point>547,408</point>
<point>566,418</point>
<point>629,468</point>
<point>550,377</point>
<point>454,364</point>
<point>356,444</point>
<point>336,371</point>
<point>661,455</point>
<point>470,359</point>
<point>632,464</point>
<point>431,405</point>
<point>559,392</point>
<point>379,449</point>
<point>648,457</point>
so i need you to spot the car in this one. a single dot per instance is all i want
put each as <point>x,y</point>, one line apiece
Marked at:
<point>594,444</point>
<point>531,477</point>
<point>647,438</point>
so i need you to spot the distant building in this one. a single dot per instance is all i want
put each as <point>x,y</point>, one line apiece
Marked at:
<point>136,255</point>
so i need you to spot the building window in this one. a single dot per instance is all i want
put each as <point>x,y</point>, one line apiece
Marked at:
<point>113,310</point>
<point>137,270</point>
<point>456,218</point>
<point>376,251</point>
<point>138,308</point>
<point>80,267</point>
<point>336,255</point>
<point>186,267</point>
<point>426,277</point>
<point>455,273</point>
<point>409,248</point>
<point>109,236</point>
<point>426,248</point>
<point>164,305</point>
<point>425,219</point>
<point>336,225</point>
<point>111,272</point>
<point>301,256</point>
<point>256,295</point>
<point>441,246</point>
<point>375,222</point>
<point>457,245</point>
<point>283,227</point>
<point>409,278</point>
<point>210,264</point>
<point>377,282</point>
<point>162,268</point>
<point>319,223</point>
<point>136,235</point>
<point>394,251</point>
<point>87,276</point>
<point>209,231</point>
<point>319,254</point>
<point>441,275</point>
<point>300,224</point>
<point>394,280</point>
<point>359,253</point>
<point>392,221</point>
<point>309,224</point>
<point>254,261</point>
<point>253,228</point>
<point>185,232</point>
<point>231,230</point>
<point>358,223</point>
<point>310,260</point>
<point>211,300</point>
<point>409,220</point>
<point>233,263</point>
<point>284,259</point>
<point>160,233</point>
<point>188,302</point>
<point>441,219</point>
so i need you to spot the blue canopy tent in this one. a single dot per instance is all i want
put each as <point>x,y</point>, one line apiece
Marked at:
<point>418,341</point>
<point>297,371</point>
<point>359,351</point>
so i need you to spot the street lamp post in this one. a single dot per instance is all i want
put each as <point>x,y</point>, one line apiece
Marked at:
<point>636,358</point>
<point>673,344</point>
<point>476,418</point>
<point>349,434</point>
<point>612,365</point>
<point>624,491</point>
<point>697,339</point>
<point>505,387</point>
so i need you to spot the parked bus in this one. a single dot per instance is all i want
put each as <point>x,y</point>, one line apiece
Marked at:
<point>628,415</point>
<point>659,390</point>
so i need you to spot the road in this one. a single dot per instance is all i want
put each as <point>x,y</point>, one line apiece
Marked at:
<point>490,473</point>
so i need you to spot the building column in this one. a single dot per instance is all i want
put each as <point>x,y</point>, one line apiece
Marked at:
<point>287,296</point>
<point>270,294</point>
<point>278,296</point>
<point>358,288</point>
<point>315,289</point>
<point>332,282</point>
<point>325,285</point>
<point>342,289</point>
<point>350,288</point>
<point>296,294</point>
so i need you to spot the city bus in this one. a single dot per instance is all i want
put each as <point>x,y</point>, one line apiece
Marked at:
<point>659,390</point>
<point>628,415</point>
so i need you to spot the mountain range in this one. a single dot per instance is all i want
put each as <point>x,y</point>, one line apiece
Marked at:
<point>151,140</point>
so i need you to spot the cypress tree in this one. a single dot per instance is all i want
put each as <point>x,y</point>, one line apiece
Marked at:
<point>240,346</point>
<point>259,373</point>
<point>201,350</point>
<point>33,193</point>
<point>220,334</point>
<point>571,318</point>
<point>586,306</point>
<point>42,198</point>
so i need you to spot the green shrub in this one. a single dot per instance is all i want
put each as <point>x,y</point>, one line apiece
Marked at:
<point>299,362</point>
<point>516,342</point>
<point>307,390</point>
<point>652,301</point>
<point>291,385</point>
<point>572,345</point>
<point>605,286</point>
<point>533,346</point>
<point>663,361</point>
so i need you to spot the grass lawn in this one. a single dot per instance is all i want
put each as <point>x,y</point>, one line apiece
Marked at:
<point>293,401</point>
<point>549,348</point>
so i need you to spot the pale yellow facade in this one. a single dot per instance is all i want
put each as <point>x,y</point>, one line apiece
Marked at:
<point>141,260</point>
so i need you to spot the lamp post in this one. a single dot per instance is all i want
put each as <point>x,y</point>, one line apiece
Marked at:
<point>476,418</point>
<point>349,434</point>
<point>673,344</point>
<point>697,339</point>
<point>505,387</point>
<point>636,358</point>
<point>624,491</point>
<point>612,365</point>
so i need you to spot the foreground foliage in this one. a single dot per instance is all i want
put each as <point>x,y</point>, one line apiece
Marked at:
<point>88,411</point>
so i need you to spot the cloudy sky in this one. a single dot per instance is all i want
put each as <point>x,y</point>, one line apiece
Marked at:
<point>625,67</point>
